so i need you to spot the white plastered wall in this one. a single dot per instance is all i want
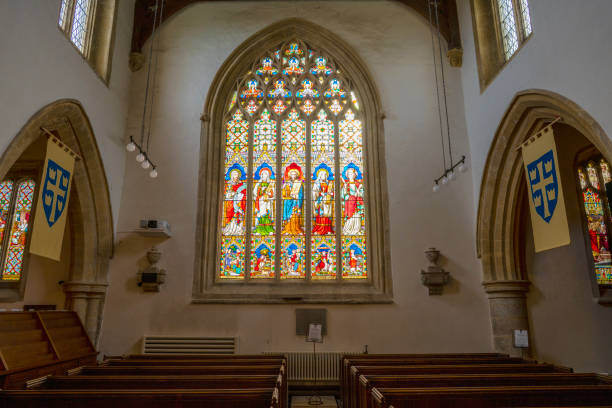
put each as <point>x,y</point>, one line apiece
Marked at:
<point>567,54</point>
<point>394,41</point>
<point>39,65</point>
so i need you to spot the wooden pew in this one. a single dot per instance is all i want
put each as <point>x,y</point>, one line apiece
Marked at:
<point>481,397</point>
<point>367,382</point>
<point>214,398</point>
<point>352,385</point>
<point>34,344</point>
<point>199,356</point>
<point>181,370</point>
<point>416,359</point>
<point>161,382</point>
<point>190,362</point>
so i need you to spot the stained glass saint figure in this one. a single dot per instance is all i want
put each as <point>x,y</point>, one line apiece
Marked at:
<point>352,198</point>
<point>323,203</point>
<point>293,200</point>
<point>235,204</point>
<point>264,203</point>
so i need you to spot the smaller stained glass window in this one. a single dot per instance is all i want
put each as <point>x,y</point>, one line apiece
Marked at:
<point>597,214</point>
<point>16,239</point>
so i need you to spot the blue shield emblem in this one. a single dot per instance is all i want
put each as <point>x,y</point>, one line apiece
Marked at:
<point>55,191</point>
<point>544,185</point>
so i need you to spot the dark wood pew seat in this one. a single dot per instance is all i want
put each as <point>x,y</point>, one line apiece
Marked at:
<point>481,397</point>
<point>216,398</point>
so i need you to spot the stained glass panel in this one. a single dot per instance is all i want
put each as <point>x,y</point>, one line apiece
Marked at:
<point>293,152</point>
<point>264,177</point>
<point>323,257</point>
<point>508,27</point>
<point>354,264</point>
<point>323,163</point>
<point>233,222</point>
<point>293,262</point>
<point>598,235</point>
<point>232,258</point>
<point>19,228</point>
<point>592,173</point>
<point>262,257</point>
<point>6,195</point>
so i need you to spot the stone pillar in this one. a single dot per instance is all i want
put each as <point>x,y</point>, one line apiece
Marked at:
<point>86,299</point>
<point>508,306</point>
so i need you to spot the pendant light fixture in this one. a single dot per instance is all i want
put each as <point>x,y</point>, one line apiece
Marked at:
<point>147,111</point>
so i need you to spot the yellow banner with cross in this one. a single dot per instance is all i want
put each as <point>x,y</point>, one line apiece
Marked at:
<point>544,191</point>
<point>53,197</point>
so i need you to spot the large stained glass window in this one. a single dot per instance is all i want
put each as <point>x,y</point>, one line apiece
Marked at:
<point>16,199</point>
<point>595,179</point>
<point>294,205</point>
<point>514,24</point>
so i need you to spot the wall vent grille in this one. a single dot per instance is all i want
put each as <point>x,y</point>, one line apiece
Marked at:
<point>188,345</point>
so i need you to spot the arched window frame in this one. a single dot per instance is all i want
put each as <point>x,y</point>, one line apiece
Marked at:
<point>98,36</point>
<point>13,290</point>
<point>207,289</point>
<point>583,159</point>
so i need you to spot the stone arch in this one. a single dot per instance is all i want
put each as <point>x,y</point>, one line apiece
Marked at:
<point>89,208</point>
<point>499,207</point>
<point>211,144</point>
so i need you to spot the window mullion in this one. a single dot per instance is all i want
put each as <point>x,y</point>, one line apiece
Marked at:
<point>308,199</point>
<point>278,201</point>
<point>249,203</point>
<point>337,200</point>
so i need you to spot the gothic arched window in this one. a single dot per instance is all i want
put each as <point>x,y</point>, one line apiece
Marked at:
<point>294,201</point>
<point>595,180</point>
<point>299,202</point>
<point>16,198</point>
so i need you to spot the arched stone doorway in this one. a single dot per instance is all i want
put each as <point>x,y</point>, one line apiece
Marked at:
<point>89,209</point>
<point>501,207</point>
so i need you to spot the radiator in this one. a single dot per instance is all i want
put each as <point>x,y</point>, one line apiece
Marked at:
<point>188,345</point>
<point>302,367</point>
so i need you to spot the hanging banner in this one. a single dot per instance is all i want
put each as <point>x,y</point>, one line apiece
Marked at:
<point>52,204</point>
<point>544,190</point>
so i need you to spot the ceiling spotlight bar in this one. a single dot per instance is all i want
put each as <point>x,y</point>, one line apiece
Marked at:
<point>450,174</point>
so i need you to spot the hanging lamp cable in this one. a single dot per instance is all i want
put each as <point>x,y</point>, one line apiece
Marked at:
<point>155,69</point>
<point>450,151</point>
<point>144,110</point>
<point>433,49</point>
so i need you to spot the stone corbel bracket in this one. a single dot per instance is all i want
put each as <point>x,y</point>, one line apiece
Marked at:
<point>150,278</point>
<point>435,277</point>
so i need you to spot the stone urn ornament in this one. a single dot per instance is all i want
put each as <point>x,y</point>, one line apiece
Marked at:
<point>151,277</point>
<point>435,277</point>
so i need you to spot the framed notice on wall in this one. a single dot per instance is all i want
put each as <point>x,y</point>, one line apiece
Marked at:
<point>315,333</point>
